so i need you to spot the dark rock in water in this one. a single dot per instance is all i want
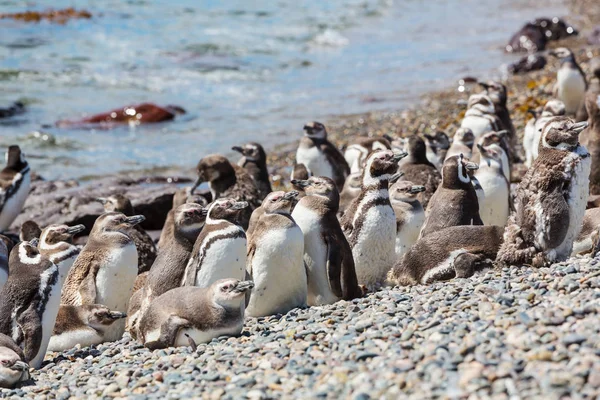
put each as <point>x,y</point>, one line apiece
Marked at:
<point>144,113</point>
<point>533,36</point>
<point>594,37</point>
<point>14,109</point>
<point>532,62</point>
<point>555,28</point>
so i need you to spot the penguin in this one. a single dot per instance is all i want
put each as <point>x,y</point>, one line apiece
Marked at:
<point>593,88</point>
<point>417,169</point>
<point>29,301</point>
<point>82,325</point>
<point>143,242</point>
<point>228,181</point>
<point>169,267</point>
<point>320,156</point>
<point>350,191</point>
<point>494,207</point>
<point>56,244</point>
<point>437,148</point>
<point>3,263</point>
<point>498,94</point>
<point>462,143</point>
<point>220,250</point>
<point>590,139</point>
<point>531,139</point>
<point>369,223</point>
<point>550,200</point>
<point>275,259</point>
<point>330,266</point>
<point>497,141</point>
<point>106,269</point>
<point>410,215</point>
<point>481,115</point>
<point>254,160</point>
<point>588,240</point>
<point>455,200</point>
<point>453,252</point>
<point>181,196</point>
<point>200,314</point>
<point>13,367</point>
<point>357,153</point>
<point>15,181</point>
<point>570,84</point>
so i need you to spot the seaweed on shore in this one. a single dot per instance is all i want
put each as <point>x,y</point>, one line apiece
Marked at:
<point>55,16</point>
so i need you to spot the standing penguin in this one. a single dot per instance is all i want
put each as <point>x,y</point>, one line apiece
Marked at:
<point>180,197</point>
<point>56,244</point>
<point>356,153</point>
<point>15,180</point>
<point>410,215</point>
<point>593,88</point>
<point>531,139</point>
<point>29,301</point>
<point>551,199</point>
<point>275,259</point>
<point>13,367</point>
<point>327,254</point>
<point>220,250</point>
<point>254,160</point>
<point>497,92</point>
<point>462,143</point>
<point>320,156</point>
<point>590,138</point>
<point>437,148</point>
<point>369,223</point>
<point>497,141</point>
<point>143,242</point>
<point>481,115</point>
<point>417,169</point>
<point>105,271</point>
<point>455,200</point>
<point>494,207</point>
<point>570,84</point>
<point>350,191</point>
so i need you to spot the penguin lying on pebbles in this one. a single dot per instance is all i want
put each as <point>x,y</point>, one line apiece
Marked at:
<point>494,206</point>
<point>15,181</point>
<point>570,84</point>
<point>551,199</point>
<point>417,169</point>
<point>462,143</point>
<point>455,252</point>
<point>357,152</point>
<point>410,215</point>
<point>200,314</point>
<point>531,139</point>
<point>13,367</point>
<point>481,115</point>
<point>590,138</point>
<point>437,148</point>
<point>254,160</point>
<point>588,240</point>
<point>275,259</point>
<point>82,325</point>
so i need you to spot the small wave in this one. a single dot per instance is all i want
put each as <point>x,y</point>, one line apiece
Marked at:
<point>330,38</point>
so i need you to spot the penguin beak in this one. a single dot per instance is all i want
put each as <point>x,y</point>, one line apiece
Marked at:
<point>73,230</point>
<point>471,166</point>
<point>239,205</point>
<point>308,128</point>
<point>114,315</point>
<point>34,242</point>
<point>502,133</point>
<point>396,176</point>
<point>300,183</point>
<point>243,286</point>
<point>20,366</point>
<point>238,149</point>
<point>134,220</point>
<point>290,195</point>
<point>388,137</point>
<point>482,149</point>
<point>198,182</point>
<point>580,126</point>
<point>417,189</point>
<point>102,200</point>
<point>399,156</point>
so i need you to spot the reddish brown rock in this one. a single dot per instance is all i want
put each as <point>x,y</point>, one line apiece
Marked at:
<point>144,113</point>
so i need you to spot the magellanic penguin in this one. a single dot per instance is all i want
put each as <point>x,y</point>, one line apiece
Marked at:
<point>410,215</point>
<point>551,199</point>
<point>455,200</point>
<point>327,254</point>
<point>220,250</point>
<point>497,92</point>
<point>3,263</point>
<point>454,252</point>
<point>462,143</point>
<point>29,230</point>
<point>275,259</point>
<point>570,84</point>
<point>350,191</point>
<point>531,140</point>
<point>588,240</point>
<point>590,138</point>
<point>199,314</point>
<point>437,148</point>
<point>180,197</point>
<point>105,270</point>
<point>82,325</point>
<point>499,142</point>
<point>369,223</point>
<point>143,242</point>
<point>481,115</point>
<point>254,160</point>
<point>593,88</point>
<point>29,301</point>
<point>495,205</point>
<point>321,156</point>
<point>356,153</point>
<point>13,367</point>
<point>56,244</point>
<point>168,269</point>
<point>417,169</point>
<point>15,180</point>
<point>228,181</point>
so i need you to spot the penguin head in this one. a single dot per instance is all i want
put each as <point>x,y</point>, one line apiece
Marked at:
<point>115,224</point>
<point>554,108</point>
<point>117,203</point>
<point>465,136</point>
<point>300,172</point>
<point>381,165</point>
<point>225,209</point>
<point>481,102</point>
<point>29,230</point>
<point>12,368</point>
<point>212,168</point>
<point>15,158</point>
<point>496,91</point>
<point>562,133</point>
<point>55,235</point>
<point>319,186</point>
<point>190,217</point>
<point>415,147</point>
<point>229,292</point>
<point>439,140</point>
<point>25,253</point>
<point>280,202</point>
<point>253,152</point>
<point>405,192</point>
<point>457,171</point>
<point>183,196</point>
<point>562,53</point>
<point>100,317</point>
<point>491,154</point>
<point>315,130</point>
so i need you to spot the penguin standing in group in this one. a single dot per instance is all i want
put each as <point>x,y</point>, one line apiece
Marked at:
<point>275,259</point>
<point>531,139</point>
<point>455,201</point>
<point>410,215</point>
<point>417,169</point>
<point>320,156</point>
<point>481,115</point>
<point>330,266</point>
<point>369,223</point>
<point>590,138</point>
<point>570,84</point>
<point>29,301</point>
<point>357,152</point>
<point>494,207</point>
<point>499,142</point>
<point>13,367</point>
<point>592,90</point>
<point>551,199</point>
<point>106,269</point>
<point>15,181</point>
<point>497,93</point>
<point>180,197</point>
<point>254,160</point>
<point>462,143</point>
<point>437,148</point>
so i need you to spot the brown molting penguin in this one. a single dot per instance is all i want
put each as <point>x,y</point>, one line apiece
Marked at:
<point>226,180</point>
<point>497,92</point>
<point>356,153</point>
<point>590,138</point>
<point>254,160</point>
<point>455,201</point>
<point>181,196</point>
<point>454,252</point>
<point>437,148</point>
<point>571,83</point>
<point>551,199</point>
<point>593,88</point>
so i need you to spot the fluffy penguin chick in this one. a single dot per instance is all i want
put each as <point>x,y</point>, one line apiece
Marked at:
<point>81,325</point>
<point>452,252</point>
<point>570,84</point>
<point>275,259</point>
<point>551,199</point>
<point>410,215</point>
<point>588,239</point>
<point>455,201</point>
<point>13,368</point>
<point>369,223</point>
<point>590,138</point>
<point>553,108</point>
<point>494,207</point>
<point>437,148</point>
<point>15,180</point>
<point>480,116</point>
<point>327,254</point>
<point>200,313</point>
<point>462,143</point>
<point>254,160</point>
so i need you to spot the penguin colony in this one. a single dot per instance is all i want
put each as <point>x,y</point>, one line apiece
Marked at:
<point>387,211</point>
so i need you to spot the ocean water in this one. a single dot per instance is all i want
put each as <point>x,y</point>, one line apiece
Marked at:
<point>243,70</point>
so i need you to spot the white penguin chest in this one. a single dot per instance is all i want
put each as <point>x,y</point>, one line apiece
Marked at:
<point>13,205</point>
<point>315,160</point>
<point>478,124</point>
<point>408,233</point>
<point>48,320</point>
<point>571,88</point>
<point>68,340</point>
<point>493,207</point>
<point>115,278</point>
<point>221,258</point>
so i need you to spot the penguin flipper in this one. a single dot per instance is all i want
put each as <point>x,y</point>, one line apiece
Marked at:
<point>31,325</point>
<point>87,290</point>
<point>334,267</point>
<point>168,333</point>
